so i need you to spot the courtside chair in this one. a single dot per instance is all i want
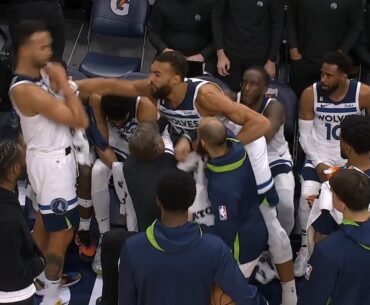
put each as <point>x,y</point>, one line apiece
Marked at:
<point>116,18</point>
<point>288,98</point>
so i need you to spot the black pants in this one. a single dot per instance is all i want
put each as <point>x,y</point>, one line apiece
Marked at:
<point>237,68</point>
<point>303,73</point>
<point>47,11</point>
<point>110,252</point>
<point>24,302</point>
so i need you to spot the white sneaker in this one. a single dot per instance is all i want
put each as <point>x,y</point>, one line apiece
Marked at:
<point>51,301</point>
<point>301,261</point>
<point>96,264</point>
<point>265,269</point>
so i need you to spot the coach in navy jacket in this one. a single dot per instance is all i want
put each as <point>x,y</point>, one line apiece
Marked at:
<point>232,191</point>
<point>174,262</point>
<point>338,271</point>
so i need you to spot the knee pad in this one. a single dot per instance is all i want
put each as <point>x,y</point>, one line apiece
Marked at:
<point>100,175</point>
<point>284,184</point>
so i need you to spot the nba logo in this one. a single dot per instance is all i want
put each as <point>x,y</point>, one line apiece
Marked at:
<point>120,7</point>
<point>222,211</point>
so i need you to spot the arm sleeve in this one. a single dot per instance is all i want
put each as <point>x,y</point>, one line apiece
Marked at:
<point>355,24</point>
<point>291,24</point>
<point>155,28</point>
<point>127,294</point>
<point>218,20</point>
<point>257,154</point>
<point>277,24</point>
<point>306,141</point>
<point>231,280</point>
<point>224,204</point>
<point>320,278</point>
<point>13,266</point>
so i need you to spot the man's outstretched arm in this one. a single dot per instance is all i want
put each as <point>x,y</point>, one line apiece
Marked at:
<point>115,86</point>
<point>214,102</point>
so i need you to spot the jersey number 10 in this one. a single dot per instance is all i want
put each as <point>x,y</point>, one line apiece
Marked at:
<point>332,132</point>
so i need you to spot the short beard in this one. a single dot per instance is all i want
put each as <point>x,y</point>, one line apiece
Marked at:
<point>162,92</point>
<point>331,89</point>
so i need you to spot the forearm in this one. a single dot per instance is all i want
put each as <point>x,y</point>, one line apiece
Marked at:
<point>291,25</point>
<point>354,28</point>
<point>254,128</point>
<point>277,24</point>
<point>157,41</point>
<point>208,51</point>
<point>101,86</point>
<point>75,106</point>
<point>218,23</point>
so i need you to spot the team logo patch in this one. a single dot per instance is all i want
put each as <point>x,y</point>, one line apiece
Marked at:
<point>197,17</point>
<point>59,206</point>
<point>308,272</point>
<point>260,3</point>
<point>120,7</point>
<point>222,212</point>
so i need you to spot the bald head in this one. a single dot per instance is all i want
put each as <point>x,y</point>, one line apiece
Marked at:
<point>212,131</point>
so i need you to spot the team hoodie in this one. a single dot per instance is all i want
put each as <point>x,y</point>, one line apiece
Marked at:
<point>178,265</point>
<point>338,270</point>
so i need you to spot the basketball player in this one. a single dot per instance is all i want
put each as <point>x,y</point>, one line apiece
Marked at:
<point>322,107</point>
<point>182,102</point>
<point>51,167</point>
<point>116,119</point>
<point>253,95</point>
<point>337,273</point>
<point>354,146</point>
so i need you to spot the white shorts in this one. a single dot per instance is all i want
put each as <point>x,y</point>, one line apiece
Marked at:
<point>52,176</point>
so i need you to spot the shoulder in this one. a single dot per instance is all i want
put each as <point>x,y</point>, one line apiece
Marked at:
<point>364,90</point>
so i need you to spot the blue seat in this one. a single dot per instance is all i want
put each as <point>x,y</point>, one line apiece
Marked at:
<point>135,75</point>
<point>110,19</point>
<point>75,74</point>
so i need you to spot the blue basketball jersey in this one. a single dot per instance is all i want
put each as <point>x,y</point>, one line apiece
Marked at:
<point>184,118</point>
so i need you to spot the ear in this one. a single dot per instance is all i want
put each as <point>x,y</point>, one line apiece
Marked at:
<point>176,79</point>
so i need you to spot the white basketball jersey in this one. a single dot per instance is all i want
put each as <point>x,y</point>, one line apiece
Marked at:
<point>118,137</point>
<point>328,115</point>
<point>40,133</point>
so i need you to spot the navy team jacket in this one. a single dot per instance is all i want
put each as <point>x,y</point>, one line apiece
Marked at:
<point>338,270</point>
<point>232,191</point>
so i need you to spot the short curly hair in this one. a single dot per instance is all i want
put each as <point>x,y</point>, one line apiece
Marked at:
<point>355,131</point>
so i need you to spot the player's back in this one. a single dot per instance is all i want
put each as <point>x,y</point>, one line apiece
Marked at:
<point>40,133</point>
<point>328,115</point>
<point>177,265</point>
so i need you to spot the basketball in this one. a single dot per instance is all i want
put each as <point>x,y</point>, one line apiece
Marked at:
<point>219,298</point>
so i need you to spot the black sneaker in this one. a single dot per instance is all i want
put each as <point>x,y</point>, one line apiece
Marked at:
<point>86,248</point>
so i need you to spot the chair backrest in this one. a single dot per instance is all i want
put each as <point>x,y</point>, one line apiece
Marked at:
<point>135,75</point>
<point>75,74</point>
<point>123,18</point>
<point>288,98</point>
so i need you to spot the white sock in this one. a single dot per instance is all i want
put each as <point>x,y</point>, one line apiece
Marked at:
<point>289,293</point>
<point>84,224</point>
<point>51,288</point>
<point>85,203</point>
